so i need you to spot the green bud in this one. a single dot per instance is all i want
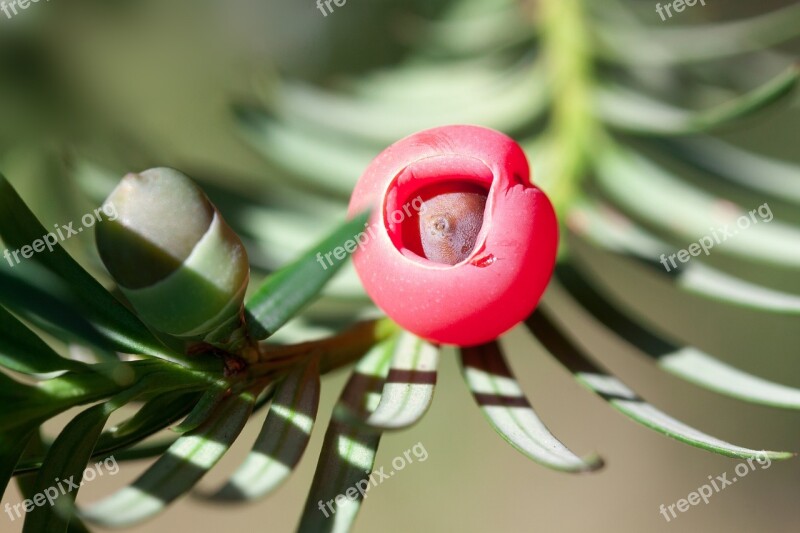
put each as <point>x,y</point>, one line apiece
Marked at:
<point>181,266</point>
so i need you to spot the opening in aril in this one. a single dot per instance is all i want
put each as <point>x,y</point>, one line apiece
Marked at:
<point>448,222</point>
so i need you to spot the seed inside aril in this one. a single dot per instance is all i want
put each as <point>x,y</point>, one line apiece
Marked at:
<point>449,222</point>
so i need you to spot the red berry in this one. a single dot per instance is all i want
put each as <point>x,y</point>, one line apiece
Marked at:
<point>461,244</point>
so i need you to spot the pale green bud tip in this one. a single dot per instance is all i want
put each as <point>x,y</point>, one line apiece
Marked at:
<point>162,216</point>
<point>181,266</point>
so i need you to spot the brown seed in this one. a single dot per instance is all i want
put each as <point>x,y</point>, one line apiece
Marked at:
<point>449,225</point>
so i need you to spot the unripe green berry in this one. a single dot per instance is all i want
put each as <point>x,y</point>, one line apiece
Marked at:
<point>181,266</point>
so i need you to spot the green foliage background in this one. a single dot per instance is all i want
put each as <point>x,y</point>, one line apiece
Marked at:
<point>144,83</point>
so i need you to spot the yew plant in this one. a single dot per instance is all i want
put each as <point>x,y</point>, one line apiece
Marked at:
<point>203,305</point>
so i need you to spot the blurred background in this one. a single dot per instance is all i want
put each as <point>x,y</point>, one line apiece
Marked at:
<point>92,89</point>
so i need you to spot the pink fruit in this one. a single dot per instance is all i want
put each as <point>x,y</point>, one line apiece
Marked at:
<point>461,244</point>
